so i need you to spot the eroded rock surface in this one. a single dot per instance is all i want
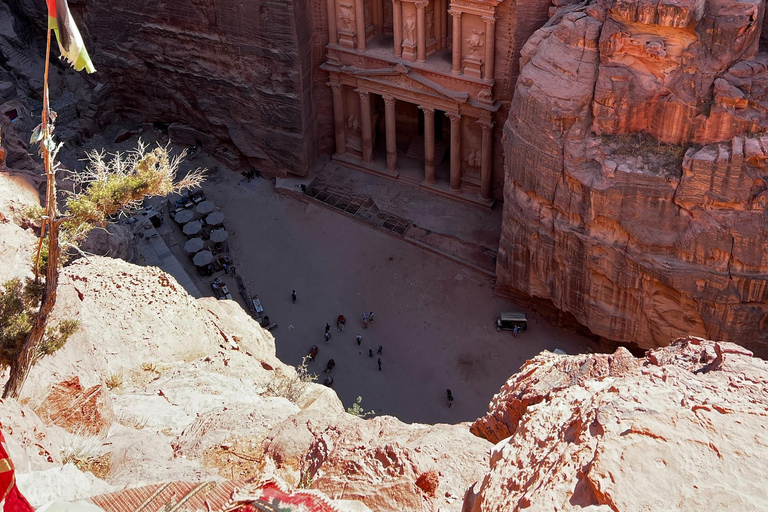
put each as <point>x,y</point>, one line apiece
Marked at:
<point>683,428</point>
<point>233,77</point>
<point>640,240</point>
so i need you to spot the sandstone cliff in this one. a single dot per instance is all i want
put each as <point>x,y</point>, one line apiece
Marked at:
<point>681,429</point>
<point>610,212</point>
<point>158,386</point>
<point>190,401</point>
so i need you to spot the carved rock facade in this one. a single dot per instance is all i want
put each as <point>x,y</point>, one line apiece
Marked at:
<point>640,240</point>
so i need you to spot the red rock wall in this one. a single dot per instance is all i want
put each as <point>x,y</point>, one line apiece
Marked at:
<point>638,243</point>
<point>240,72</point>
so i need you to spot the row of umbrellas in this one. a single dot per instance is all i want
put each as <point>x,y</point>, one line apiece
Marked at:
<point>186,216</point>
<point>195,245</point>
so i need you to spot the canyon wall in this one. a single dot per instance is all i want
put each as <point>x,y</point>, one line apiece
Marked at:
<point>636,184</point>
<point>237,78</point>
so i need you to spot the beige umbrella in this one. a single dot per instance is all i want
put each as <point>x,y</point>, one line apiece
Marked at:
<point>193,245</point>
<point>203,258</point>
<point>184,216</point>
<point>215,218</point>
<point>205,207</point>
<point>219,235</point>
<point>192,228</point>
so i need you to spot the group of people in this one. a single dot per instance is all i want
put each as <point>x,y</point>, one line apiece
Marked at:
<point>341,323</point>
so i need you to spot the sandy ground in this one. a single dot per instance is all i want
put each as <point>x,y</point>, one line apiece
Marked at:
<point>433,317</point>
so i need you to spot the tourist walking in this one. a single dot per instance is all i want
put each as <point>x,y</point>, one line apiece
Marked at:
<point>379,364</point>
<point>293,296</point>
<point>327,337</point>
<point>365,321</point>
<point>370,317</point>
<point>380,349</point>
<point>359,339</point>
<point>370,353</point>
<point>449,396</point>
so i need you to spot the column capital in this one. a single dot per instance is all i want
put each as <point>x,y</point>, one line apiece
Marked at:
<point>454,13</point>
<point>455,118</point>
<point>363,94</point>
<point>388,100</point>
<point>428,111</point>
<point>421,4</point>
<point>485,124</point>
<point>489,19</point>
<point>334,85</point>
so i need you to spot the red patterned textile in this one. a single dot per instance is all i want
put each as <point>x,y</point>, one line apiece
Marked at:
<point>11,499</point>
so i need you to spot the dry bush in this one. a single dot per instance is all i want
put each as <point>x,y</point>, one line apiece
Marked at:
<point>115,380</point>
<point>660,157</point>
<point>293,386</point>
<point>131,420</point>
<point>87,452</point>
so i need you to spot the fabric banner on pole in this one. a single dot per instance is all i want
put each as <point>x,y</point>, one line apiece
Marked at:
<point>70,42</point>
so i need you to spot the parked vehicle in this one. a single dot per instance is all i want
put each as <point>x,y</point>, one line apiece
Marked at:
<point>512,321</point>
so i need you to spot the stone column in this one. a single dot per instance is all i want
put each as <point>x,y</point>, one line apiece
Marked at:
<point>437,22</point>
<point>391,129</point>
<point>455,150</point>
<point>338,118</point>
<point>444,20</point>
<point>486,162</point>
<point>365,125</point>
<point>333,35</point>
<point>429,145</point>
<point>457,42</point>
<point>490,47</point>
<point>397,26</point>
<point>378,15</point>
<point>421,32</point>
<point>360,24</point>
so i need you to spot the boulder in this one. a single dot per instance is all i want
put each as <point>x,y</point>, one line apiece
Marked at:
<point>685,429</point>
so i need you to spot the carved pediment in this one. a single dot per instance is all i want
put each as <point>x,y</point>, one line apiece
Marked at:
<point>403,76</point>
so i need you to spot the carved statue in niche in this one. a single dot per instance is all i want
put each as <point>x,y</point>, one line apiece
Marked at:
<point>410,30</point>
<point>474,158</point>
<point>655,49</point>
<point>353,123</point>
<point>475,43</point>
<point>347,16</point>
<point>430,24</point>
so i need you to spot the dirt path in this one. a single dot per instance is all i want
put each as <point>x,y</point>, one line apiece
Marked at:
<point>434,318</point>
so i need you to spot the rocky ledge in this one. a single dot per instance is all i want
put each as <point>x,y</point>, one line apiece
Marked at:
<point>683,428</point>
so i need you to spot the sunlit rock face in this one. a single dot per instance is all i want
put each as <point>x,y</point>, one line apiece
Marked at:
<point>597,432</point>
<point>636,181</point>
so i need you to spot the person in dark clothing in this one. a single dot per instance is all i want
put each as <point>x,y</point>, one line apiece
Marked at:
<point>370,352</point>
<point>293,296</point>
<point>359,339</point>
<point>380,349</point>
<point>449,396</point>
<point>379,364</point>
